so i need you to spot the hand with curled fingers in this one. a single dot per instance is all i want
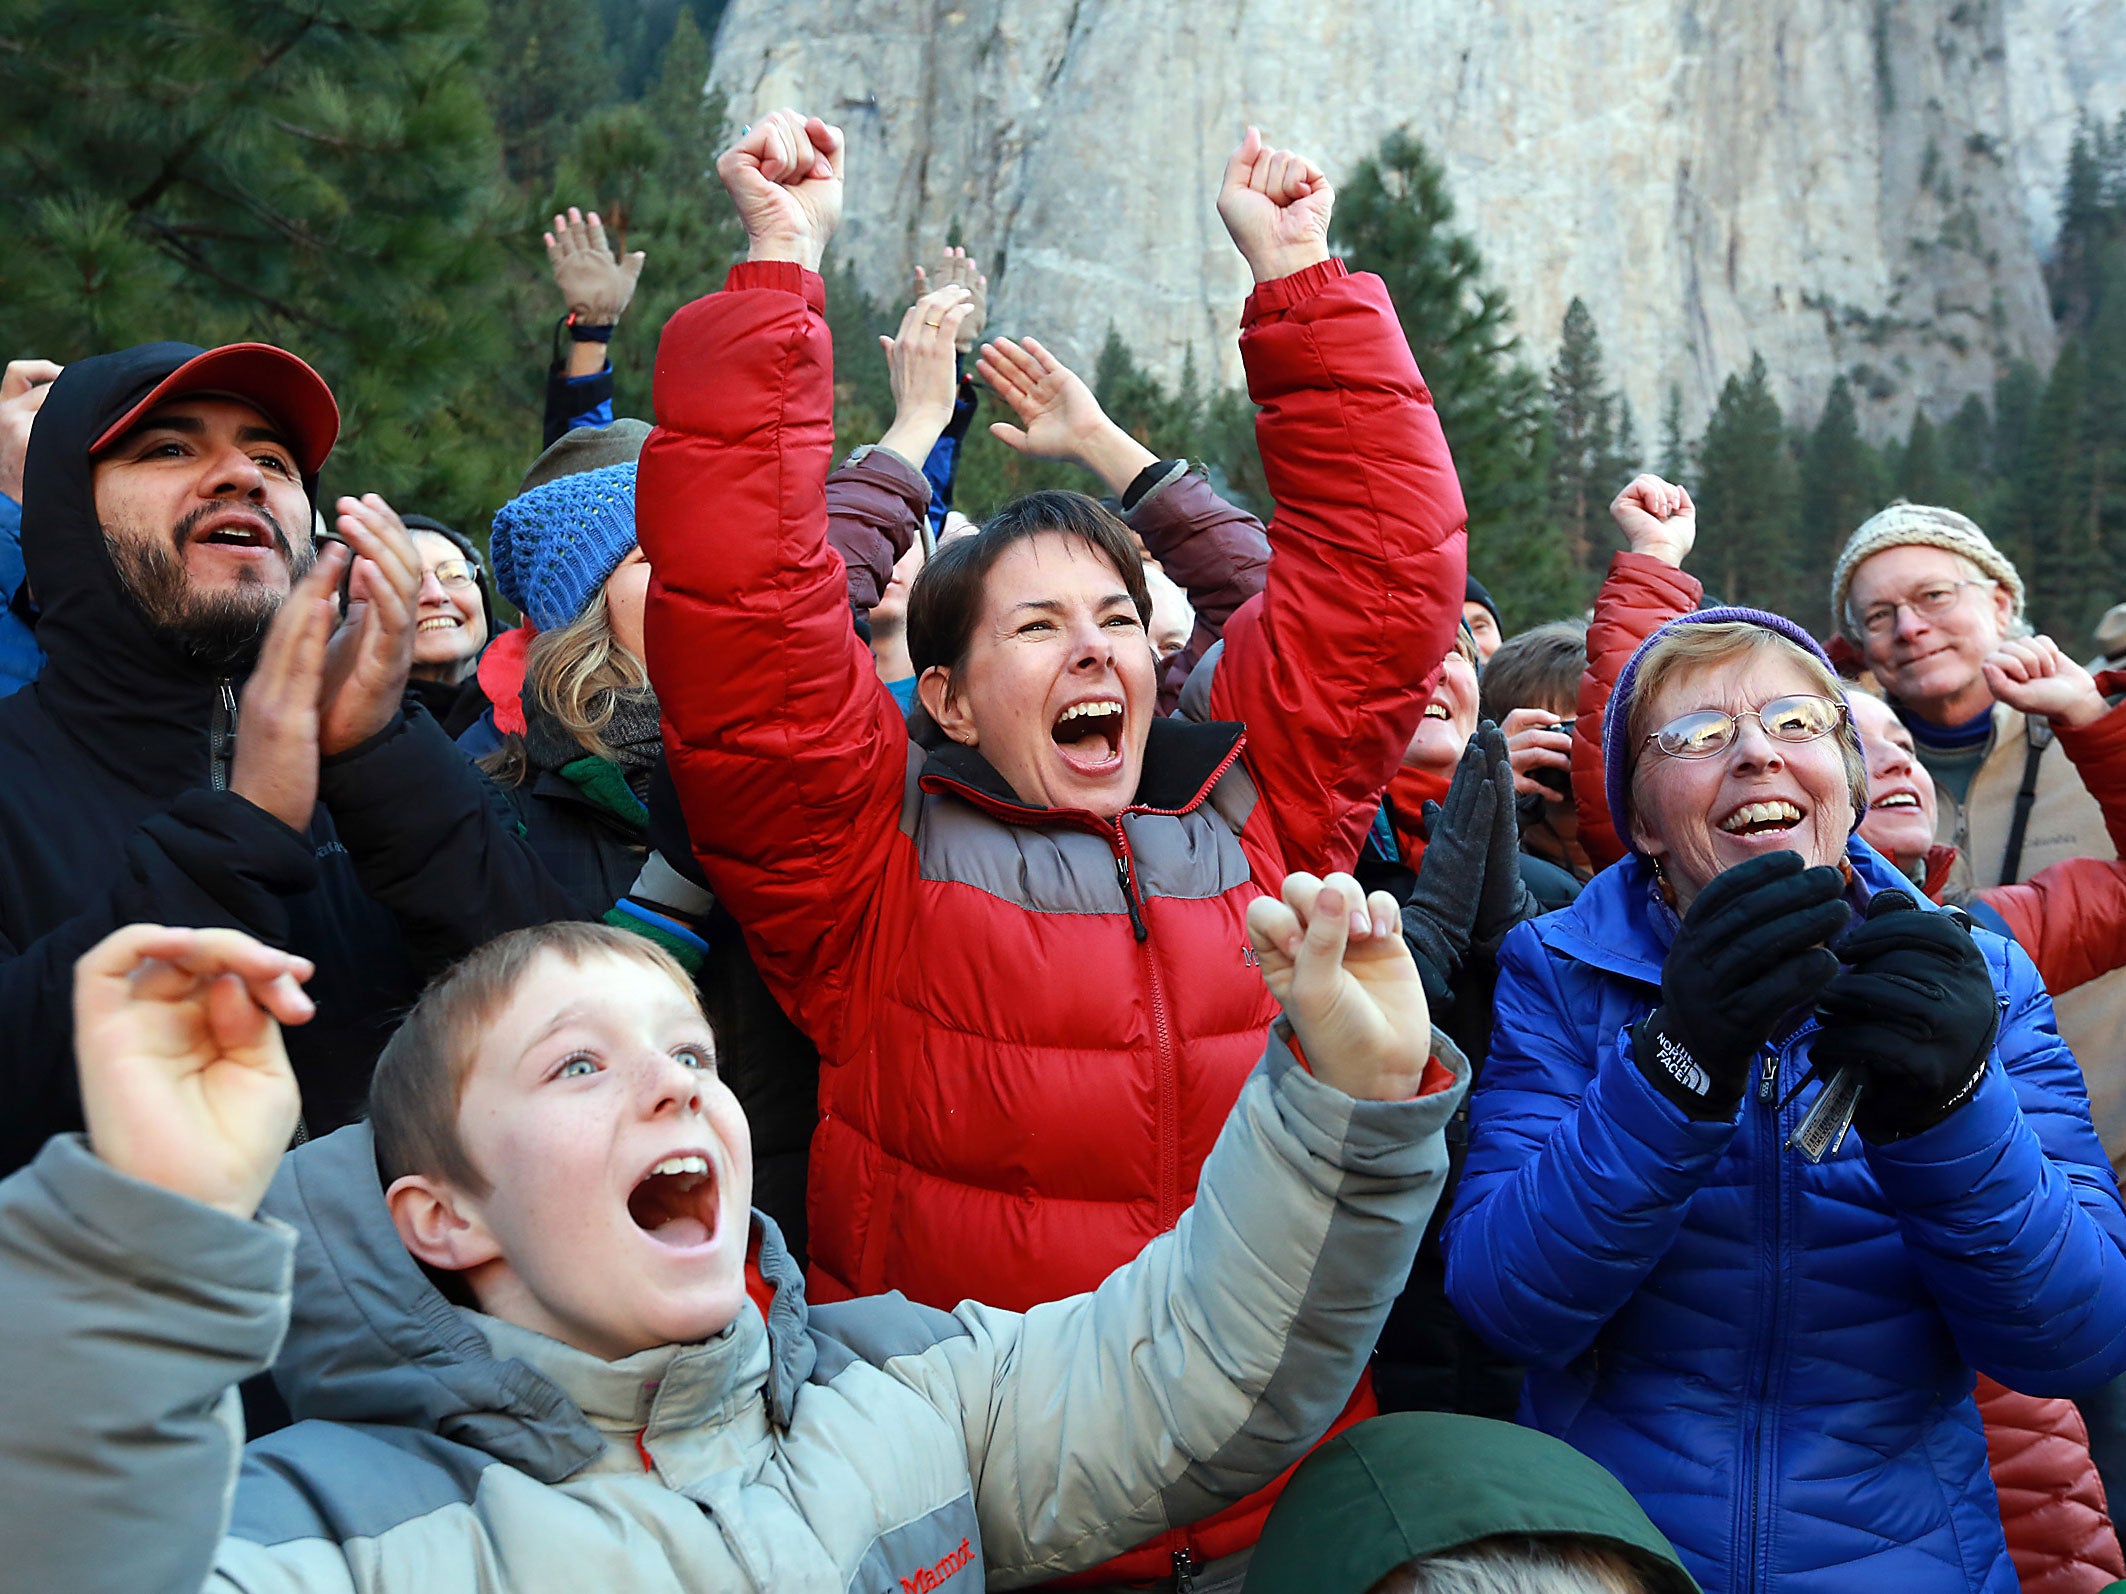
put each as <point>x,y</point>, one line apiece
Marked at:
<point>276,761</point>
<point>922,364</point>
<point>1914,1007</point>
<point>785,176</point>
<point>1276,206</point>
<point>1531,745</point>
<point>23,388</point>
<point>1335,960</point>
<point>1657,518</point>
<point>1440,918</point>
<point>1754,946</point>
<point>371,654</point>
<point>2032,676</point>
<point>596,281</point>
<point>1506,900</point>
<point>185,1083</point>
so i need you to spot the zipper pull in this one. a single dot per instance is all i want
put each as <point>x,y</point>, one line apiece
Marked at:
<point>1184,1572</point>
<point>1768,1081</point>
<point>1129,896</point>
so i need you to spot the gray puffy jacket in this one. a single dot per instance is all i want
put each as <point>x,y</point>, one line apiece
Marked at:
<point>868,1445</point>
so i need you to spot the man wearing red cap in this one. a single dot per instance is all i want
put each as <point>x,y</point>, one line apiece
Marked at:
<point>170,519</point>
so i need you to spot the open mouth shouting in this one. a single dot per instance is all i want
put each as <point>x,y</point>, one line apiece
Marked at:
<point>236,529</point>
<point>676,1202</point>
<point>1089,735</point>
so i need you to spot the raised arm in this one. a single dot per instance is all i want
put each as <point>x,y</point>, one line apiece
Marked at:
<point>1644,590</point>
<point>596,283</point>
<point>1326,667</point>
<point>788,755</point>
<point>1206,1366</point>
<point>2071,916</point>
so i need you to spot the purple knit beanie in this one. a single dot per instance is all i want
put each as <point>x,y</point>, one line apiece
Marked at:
<point>1616,757</point>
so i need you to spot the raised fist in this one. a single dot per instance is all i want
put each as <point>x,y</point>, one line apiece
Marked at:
<point>2032,676</point>
<point>1657,518</point>
<point>1276,206</point>
<point>785,176</point>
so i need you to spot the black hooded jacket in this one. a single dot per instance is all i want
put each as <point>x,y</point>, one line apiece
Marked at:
<point>113,811</point>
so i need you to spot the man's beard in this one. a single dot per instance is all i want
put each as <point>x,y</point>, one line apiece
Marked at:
<point>217,631</point>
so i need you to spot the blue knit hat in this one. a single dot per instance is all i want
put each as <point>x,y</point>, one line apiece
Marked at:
<point>1616,756</point>
<point>555,545</point>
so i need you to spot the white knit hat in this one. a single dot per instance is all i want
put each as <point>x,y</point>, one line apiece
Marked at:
<point>1904,524</point>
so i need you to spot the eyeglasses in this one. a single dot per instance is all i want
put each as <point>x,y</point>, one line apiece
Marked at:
<point>1708,732</point>
<point>1929,603</point>
<point>454,575</point>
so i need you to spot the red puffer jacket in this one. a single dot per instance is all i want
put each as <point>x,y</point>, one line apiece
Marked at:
<point>2071,919</point>
<point>1031,1023</point>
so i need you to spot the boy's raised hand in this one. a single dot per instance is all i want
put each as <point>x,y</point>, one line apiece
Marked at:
<point>1336,961</point>
<point>184,1081</point>
<point>1276,206</point>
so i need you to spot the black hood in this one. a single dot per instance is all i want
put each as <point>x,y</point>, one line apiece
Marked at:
<point>140,706</point>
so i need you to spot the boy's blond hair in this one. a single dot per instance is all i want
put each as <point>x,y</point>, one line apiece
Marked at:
<point>420,1077</point>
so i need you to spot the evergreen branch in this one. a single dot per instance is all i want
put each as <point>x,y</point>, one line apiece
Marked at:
<point>174,163</point>
<point>186,255</point>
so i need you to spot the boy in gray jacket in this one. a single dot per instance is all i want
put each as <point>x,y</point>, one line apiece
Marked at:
<point>534,1339</point>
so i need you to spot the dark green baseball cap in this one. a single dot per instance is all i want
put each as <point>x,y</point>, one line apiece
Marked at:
<point>1424,1482</point>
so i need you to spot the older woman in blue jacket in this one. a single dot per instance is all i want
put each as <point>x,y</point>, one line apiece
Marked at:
<point>1775,1355</point>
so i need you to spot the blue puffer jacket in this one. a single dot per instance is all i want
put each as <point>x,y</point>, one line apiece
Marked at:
<point>1776,1357</point>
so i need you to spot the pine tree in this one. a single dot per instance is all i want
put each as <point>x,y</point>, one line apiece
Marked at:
<point>550,71</point>
<point>1921,473</point>
<point>318,175</point>
<point>1394,217</point>
<point>1840,487</point>
<point>1675,464</point>
<point>1747,499</point>
<point>1582,440</point>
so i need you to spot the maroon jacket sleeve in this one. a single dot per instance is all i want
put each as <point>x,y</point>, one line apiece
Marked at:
<point>788,755</point>
<point>1326,667</point>
<point>2071,917</point>
<point>1639,596</point>
<point>873,507</point>
<point>1215,550</point>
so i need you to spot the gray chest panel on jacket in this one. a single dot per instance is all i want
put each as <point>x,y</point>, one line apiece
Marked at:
<point>1063,869</point>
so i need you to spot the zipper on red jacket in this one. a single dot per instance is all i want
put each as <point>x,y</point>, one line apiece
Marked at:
<point>1165,1065</point>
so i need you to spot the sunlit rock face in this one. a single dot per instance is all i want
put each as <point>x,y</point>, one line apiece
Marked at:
<point>1856,186</point>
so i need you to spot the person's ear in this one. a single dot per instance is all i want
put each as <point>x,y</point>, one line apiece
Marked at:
<point>944,704</point>
<point>2003,609</point>
<point>438,1225</point>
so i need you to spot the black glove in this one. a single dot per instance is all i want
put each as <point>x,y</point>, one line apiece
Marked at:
<point>1753,945</point>
<point>1450,877</point>
<point>1915,1008</point>
<point>1506,900</point>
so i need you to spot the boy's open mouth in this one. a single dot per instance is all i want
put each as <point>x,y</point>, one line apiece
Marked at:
<point>1089,735</point>
<point>675,1202</point>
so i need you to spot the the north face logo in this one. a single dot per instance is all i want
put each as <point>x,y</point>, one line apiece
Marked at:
<point>923,1580</point>
<point>1683,1067</point>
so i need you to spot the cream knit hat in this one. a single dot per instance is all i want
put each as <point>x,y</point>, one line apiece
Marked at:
<point>1903,524</point>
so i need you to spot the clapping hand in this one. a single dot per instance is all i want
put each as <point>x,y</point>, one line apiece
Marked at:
<point>1657,518</point>
<point>184,1081</point>
<point>1336,961</point>
<point>1276,206</point>
<point>785,176</point>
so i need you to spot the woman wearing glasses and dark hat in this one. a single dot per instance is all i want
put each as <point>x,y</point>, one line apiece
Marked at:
<point>457,617</point>
<point>1766,1327</point>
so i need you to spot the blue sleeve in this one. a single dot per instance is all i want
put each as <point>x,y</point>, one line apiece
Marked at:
<point>20,657</point>
<point>903,692</point>
<point>1578,1173</point>
<point>2010,1209</point>
<point>590,398</point>
<point>942,466</point>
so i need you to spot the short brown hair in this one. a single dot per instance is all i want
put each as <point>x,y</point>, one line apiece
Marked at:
<point>1539,668</point>
<point>420,1077</point>
<point>945,603</point>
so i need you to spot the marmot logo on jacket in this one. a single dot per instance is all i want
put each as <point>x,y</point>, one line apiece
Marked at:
<point>923,1580</point>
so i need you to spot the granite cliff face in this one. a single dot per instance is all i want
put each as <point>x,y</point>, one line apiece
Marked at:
<point>1858,186</point>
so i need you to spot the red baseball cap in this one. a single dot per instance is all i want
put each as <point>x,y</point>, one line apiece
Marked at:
<point>272,380</point>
